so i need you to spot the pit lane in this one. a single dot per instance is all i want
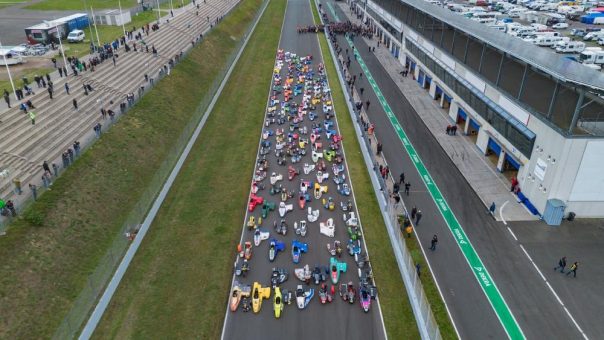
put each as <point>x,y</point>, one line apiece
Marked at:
<point>337,319</point>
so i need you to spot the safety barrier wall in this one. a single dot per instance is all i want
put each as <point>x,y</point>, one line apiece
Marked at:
<point>98,280</point>
<point>426,322</point>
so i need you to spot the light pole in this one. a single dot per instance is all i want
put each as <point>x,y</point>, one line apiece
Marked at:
<point>98,41</point>
<point>60,44</point>
<point>10,78</point>
<point>89,25</point>
<point>121,17</point>
<point>157,12</point>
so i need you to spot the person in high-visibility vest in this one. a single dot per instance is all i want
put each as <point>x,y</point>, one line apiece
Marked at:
<point>32,116</point>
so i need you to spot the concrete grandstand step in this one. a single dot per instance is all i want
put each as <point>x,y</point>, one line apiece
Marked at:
<point>58,125</point>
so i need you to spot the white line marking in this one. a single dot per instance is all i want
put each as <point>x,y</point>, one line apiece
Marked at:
<point>310,2</point>
<point>555,295</point>
<point>513,235</point>
<point>501,213</point>
<point>576,324</point>
<point>382,201</point>
<point>226,317</point>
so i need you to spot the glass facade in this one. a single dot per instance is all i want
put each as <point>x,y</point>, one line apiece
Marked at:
<point>515,132</point>
<point>553,101</point>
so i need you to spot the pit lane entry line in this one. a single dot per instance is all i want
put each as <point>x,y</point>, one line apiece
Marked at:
<point>503,312</point>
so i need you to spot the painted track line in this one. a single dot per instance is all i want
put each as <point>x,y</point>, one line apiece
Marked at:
<point>501,213</point>
<point>111,288</point>
<point>498,303</point>
<point>513,235</point>
<point>555,294</point>
<point>405,275</point>
<point>270,86</point>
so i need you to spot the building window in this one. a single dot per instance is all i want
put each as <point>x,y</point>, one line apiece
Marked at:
<point>491,60</point>
<point>564,107</point>
<point>474,53</point>
<point>511,75</point>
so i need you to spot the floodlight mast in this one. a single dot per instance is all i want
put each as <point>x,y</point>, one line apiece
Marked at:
<point>10,78</point>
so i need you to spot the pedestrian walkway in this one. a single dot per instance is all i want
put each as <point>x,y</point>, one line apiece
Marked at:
<point>58,122</point>
<point>489,184</point>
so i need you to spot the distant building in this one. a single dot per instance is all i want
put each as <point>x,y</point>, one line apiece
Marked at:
<point>536,115</point>
<point>46,32</point>
<point>112,17</point>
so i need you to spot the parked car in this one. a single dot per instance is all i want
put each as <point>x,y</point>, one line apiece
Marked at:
<point>76,36</point>
<point>560,25</point>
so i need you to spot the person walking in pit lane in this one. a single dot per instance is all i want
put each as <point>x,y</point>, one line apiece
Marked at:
<point>573,269</point>
<point>433,242</point>
<point>561,264</point>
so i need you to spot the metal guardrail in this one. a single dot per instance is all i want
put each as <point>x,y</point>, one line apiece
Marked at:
<point>99,279</point>
<point>426,322</point>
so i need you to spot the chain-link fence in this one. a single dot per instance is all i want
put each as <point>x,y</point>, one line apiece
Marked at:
<point>98,280</point>
<point>392,209</point>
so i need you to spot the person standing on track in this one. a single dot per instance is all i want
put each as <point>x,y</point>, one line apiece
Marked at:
<point>418,217</point>
<point>433,242</point>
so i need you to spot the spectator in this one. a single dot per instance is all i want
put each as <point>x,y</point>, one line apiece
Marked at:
<point>6,98</point>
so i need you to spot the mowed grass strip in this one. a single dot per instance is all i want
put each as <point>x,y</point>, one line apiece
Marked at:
<point>46,261</point>
<point>397,312</point>
<point>177,285</point>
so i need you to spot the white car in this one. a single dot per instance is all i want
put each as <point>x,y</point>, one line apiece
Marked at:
<point>560,25</point>
<point>76,36</point>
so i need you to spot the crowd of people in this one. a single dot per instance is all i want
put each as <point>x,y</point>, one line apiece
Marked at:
<point>350,28</point>
<point>311,29</point>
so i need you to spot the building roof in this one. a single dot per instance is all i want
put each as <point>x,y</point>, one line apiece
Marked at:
<point>547,61</point>
<point>55,22</point>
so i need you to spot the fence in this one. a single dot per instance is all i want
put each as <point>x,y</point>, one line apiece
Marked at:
<point>73,322</point>
<point>390,210</point>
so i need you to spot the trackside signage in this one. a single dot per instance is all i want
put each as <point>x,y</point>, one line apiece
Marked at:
<point>483,277</point>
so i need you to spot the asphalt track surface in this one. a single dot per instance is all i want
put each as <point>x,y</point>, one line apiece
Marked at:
<point>535,308</point>
<point>338,320</point>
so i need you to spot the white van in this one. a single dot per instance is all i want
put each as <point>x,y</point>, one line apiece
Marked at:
<point>593,35</point>
<point>548,33</point>
<point>547,40</point>
<point>570,47</point>
<point>76,36</point>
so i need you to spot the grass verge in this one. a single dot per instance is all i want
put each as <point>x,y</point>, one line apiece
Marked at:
<point>28,73</point>
<point>78,5</point>
<point>397,312</point>
<point>175,286</point>
<point>434,299</point>
<point>45,267</point>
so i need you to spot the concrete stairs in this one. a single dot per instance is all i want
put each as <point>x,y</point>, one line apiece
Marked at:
<point>24,147</point>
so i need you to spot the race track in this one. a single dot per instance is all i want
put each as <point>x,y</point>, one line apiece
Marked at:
<point>338,320</point>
